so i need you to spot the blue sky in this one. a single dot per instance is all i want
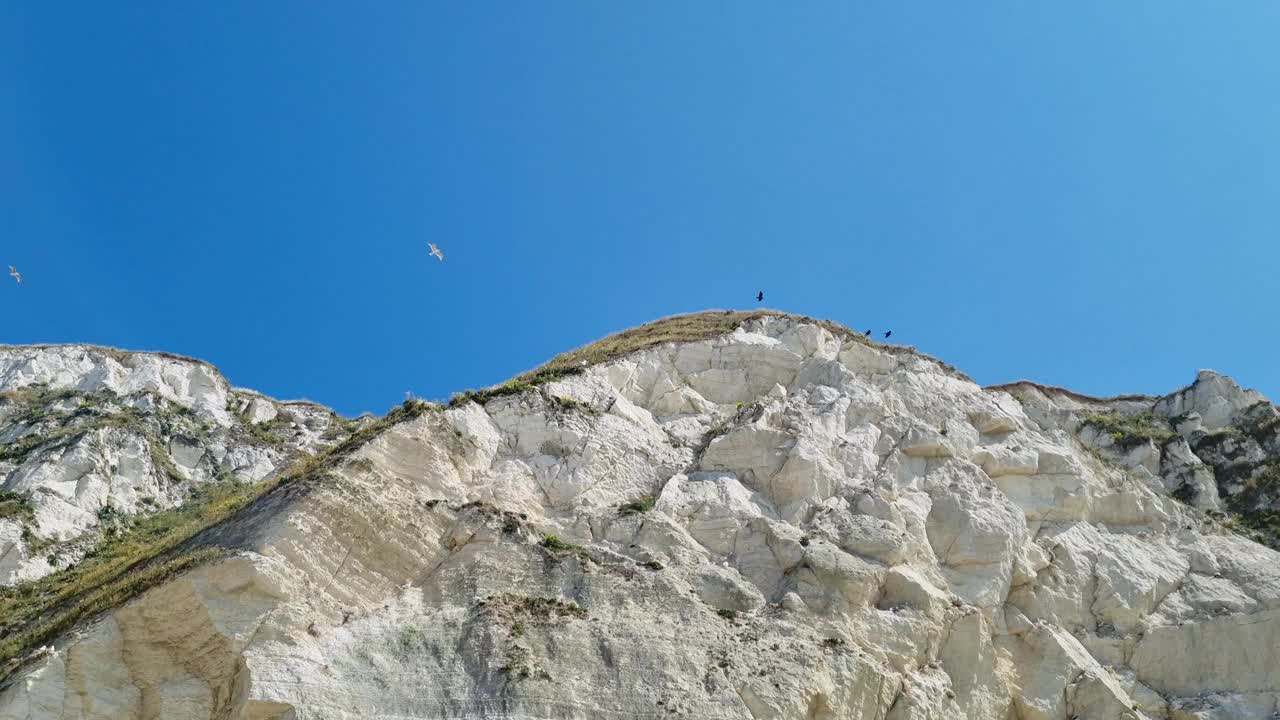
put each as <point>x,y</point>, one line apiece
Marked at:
<point>1085,194</point>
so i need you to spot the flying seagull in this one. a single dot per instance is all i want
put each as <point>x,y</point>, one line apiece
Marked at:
<point>436,251</point>
<point>13,272</point>
<point>887,334</point>
<point>760,296</point>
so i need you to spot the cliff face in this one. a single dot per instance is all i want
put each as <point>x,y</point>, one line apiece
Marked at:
<point>784,521</point>
<point>89,436</point>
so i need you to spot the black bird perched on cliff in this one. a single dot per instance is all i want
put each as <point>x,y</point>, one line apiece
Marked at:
<point>760,296</point>
<point>887,334</point>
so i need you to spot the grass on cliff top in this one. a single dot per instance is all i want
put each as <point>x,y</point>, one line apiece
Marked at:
<point>145,552</point>
<point>690,327</point>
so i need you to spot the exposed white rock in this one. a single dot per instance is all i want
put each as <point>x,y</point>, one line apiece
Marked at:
<point>837,530</point>
<point>1216,399</point>
<point>88,432</point>
<point>85,368</point>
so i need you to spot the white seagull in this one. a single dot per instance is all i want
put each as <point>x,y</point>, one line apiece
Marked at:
<point>13,272</point>
<point>436,251</point>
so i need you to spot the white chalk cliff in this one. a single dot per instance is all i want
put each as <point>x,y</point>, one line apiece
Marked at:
<point>785,521</point>
<point>88,434</point>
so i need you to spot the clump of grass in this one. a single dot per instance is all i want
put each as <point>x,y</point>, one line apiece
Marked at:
<point>730,615</point>
<point>16,506</point>
<point>148,550</point>
<point>559,547</point>
<point>1130,430</point>
<point>268,433</point>
<point>637,507</point>
<point>555,544</point>
<point>567,404</point>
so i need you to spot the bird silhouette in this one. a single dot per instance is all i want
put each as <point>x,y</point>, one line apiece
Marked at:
<point>13,272</point>
<point>887,334</point>
<point>866,334</point>
<point>760,296</point>
<point>436,251</point>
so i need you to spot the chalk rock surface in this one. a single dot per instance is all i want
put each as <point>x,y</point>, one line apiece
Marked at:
<point>90,435</point>
<point>785,521</point>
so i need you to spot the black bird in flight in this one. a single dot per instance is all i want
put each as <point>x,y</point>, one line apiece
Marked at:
<point>866,334</point>
<point>760,296</point>
<point>887,334</point>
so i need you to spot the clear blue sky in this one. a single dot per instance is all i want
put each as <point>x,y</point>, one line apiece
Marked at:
<point>1085,193</point>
